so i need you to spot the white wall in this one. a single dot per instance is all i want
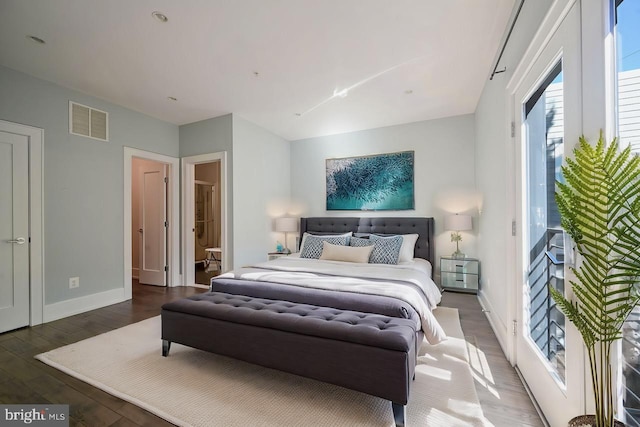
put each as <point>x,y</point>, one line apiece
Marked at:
<point>492,131</point>
<point>444,171</point>
<point>261,188</point>
<point>83,182</point>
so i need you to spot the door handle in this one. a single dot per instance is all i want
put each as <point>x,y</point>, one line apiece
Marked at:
<point>18,241</point>
<point>139,230</point>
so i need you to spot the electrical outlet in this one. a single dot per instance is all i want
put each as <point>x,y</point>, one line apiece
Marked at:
<point>74,282</point>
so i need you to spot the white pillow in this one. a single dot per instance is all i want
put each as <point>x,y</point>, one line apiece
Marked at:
<point>408,247</point>
<point>304,236</point>
<point>345,253</point>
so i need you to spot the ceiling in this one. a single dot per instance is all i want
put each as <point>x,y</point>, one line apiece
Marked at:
<point>281,64</point>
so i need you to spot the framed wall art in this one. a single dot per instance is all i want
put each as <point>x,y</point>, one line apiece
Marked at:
<point>379,182</point>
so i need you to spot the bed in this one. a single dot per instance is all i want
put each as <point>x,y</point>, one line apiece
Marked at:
<point>356,325</point>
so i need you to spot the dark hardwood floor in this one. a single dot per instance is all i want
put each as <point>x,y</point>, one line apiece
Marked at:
<point>24,379</point>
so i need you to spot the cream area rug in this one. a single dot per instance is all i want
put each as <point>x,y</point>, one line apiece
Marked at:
<point>195,388</point>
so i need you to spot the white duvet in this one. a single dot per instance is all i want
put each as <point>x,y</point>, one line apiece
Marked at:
<point>375,279</point>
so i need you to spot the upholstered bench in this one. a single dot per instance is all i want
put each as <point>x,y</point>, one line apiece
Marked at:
<point>371,353</point>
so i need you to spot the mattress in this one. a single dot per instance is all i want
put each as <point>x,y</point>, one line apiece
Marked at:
<point>404,291</point>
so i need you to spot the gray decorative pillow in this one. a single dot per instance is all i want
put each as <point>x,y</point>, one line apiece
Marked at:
<point>360,242</point>
<point>312,247</point>
<point>386,250</point>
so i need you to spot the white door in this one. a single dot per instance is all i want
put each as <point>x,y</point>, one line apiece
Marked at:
<point>14,228</point>
<point>549,351</point>
<point>153,221</point>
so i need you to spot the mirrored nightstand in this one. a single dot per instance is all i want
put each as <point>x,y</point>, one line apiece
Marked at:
<point>460,274</point>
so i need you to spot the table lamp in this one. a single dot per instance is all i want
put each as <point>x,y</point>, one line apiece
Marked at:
<point>286,225</point>
<point>457,223</point>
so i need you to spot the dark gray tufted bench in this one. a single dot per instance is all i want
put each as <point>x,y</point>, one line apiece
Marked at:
<point>371,353</point>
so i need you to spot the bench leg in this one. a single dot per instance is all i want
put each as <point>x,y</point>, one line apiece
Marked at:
<point>166,345</point>
<point>399,414</point>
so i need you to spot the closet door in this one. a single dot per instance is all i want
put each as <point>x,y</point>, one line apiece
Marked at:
<point>14,231</point>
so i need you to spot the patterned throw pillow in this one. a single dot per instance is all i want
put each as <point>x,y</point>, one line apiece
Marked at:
<point>313,244</point>
<point>360,242</point>
<point>386,250</point>
<point>304,236</point>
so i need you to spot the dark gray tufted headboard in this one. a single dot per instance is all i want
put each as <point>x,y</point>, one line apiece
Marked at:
<point>423,226</point>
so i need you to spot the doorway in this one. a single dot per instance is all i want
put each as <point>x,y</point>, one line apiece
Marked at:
<point>204,232</point>
<point>207,249</point>
<point>172,241</point>
<point>547,117</point>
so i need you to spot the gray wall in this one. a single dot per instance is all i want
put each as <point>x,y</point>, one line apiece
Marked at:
<point>83,181</point>
<point>207,136</point>
<point>492,136</point>
<point>262,189</point>
<point>212,136</point>
<point>444,171</point>
<point>258,180</point>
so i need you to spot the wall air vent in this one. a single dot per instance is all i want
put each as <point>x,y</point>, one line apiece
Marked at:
<point>89,122</point>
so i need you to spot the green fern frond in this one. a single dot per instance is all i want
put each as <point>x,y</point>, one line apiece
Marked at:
<point>599,206</point>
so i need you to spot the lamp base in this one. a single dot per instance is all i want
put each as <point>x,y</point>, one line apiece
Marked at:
<point>458,255</point>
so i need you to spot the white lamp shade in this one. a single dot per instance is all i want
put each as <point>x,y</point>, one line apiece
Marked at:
<point>286,224</point>
<point>457,222</point>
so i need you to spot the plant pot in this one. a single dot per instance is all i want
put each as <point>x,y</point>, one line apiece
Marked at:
<point>589,421</point>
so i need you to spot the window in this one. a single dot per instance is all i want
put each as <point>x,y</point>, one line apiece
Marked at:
<point>544,120</point>
<point>628,69</point>
<point>627,36</point>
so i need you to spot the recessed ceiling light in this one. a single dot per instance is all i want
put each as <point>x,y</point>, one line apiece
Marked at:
<point>160,16</point>
<point>36,39</point>
<point>408,92</point>
<point>172,98</point>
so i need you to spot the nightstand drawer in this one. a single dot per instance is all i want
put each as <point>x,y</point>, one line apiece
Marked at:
<point>452,265</point>
<point>459,281</point>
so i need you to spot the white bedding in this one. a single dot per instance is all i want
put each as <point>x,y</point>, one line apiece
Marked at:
<point>375,279</point>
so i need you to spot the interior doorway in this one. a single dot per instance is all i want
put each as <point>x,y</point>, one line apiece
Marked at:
<point>172,242</point>
<point>207,222</point>
<point>204,211</point>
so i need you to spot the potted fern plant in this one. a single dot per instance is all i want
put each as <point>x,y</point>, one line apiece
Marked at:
<point>600,209</point>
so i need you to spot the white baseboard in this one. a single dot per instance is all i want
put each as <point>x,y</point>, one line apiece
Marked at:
<point>499,328</point>
<point>79,305</point>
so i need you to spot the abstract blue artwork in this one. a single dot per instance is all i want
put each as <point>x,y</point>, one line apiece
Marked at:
<point>381,182</point>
